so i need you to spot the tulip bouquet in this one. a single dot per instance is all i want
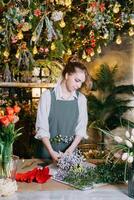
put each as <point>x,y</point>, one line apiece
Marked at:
<point>123,146</point>
<point>8,134</point>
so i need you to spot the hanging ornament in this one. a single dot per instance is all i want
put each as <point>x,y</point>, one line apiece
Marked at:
<point>88,59</point>
<point>17,55</point>
<point>34,38</point>
<point>69,52</point>
<point>99,49</point>
<point>92,53</point>
<point>132,19</point>
<point>131,31</point>
<point>84,55</point>
<point>20,35</point>
<point>6,53</point>
<point>116,7</point>
<point>35,51</point>
<point>68,3</point>
<point>53,47</point>
<point>106,35</point>
<point>118,40</point>
<point>62,23</point>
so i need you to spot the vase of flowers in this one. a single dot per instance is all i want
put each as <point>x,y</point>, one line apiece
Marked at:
<point>8,134</point>
<point>124,150</point>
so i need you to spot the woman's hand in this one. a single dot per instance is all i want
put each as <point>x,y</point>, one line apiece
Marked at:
<point>55,155</point>
<point>69,151</point>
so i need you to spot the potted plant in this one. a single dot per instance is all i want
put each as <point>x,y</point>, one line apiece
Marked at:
<point>105,104</point>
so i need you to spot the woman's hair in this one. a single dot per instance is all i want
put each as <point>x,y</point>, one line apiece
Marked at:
<point>72,66</point>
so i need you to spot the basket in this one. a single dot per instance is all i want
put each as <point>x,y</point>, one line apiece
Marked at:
<point>92,153</point>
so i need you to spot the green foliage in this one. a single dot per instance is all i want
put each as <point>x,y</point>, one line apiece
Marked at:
<point>103,173</point>
<point>105,105</point>
<point>109,173</point>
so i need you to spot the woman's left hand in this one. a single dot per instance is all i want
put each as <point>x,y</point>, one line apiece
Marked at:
<point>69,151</point>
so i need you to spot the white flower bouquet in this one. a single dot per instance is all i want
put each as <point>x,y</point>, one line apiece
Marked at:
<point>123,146</point>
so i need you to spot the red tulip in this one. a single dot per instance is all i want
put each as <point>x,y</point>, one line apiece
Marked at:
<point>16,109</point>
<point>5,121</point>
<point>9,110</point>
<point>11,118</point>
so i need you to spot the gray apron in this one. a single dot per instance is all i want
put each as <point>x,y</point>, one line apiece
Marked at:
<point>63,118</point>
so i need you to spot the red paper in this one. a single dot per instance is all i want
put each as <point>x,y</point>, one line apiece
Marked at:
<point>39,175</point>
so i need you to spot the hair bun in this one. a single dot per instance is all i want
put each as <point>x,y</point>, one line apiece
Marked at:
<point>73,58</point>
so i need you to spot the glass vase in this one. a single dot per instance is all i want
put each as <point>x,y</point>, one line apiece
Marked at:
<point>131,181</point>
<point>6,160</point>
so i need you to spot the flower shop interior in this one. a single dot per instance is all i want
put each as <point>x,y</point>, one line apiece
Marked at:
<point>38,38</point>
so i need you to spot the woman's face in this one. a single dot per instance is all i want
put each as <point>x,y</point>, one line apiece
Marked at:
<point>74,81</point>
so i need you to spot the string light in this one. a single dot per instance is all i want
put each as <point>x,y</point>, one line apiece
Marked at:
<point>118,40</point>
<point>131,31</point>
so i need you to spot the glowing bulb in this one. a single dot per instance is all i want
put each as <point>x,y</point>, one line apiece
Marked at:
<point>62,24</point>
<point>99,49</point>
<point>35,51</point>
<point>92,53</point>
<point>34,38</point>
<point>53,47</point>
<point>6,53</point>
<point>88,59</point>
<point>20,35</point>
<point>132,19</point>
<point>106,35</point>
<point>17,55</point>
<point>131,31</point>
<point>84,55</point>
<point>116,8</point>
<point>118,40</point>
<point>69,52</point>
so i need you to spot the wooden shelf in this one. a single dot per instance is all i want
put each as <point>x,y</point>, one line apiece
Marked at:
<point>27,85</point>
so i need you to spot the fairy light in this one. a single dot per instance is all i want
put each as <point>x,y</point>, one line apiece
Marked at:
<point>131,31</point>
<point>118,40</point>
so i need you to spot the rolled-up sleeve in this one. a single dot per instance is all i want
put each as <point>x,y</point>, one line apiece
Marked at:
<point>81,128</point>
<point>42,125</point>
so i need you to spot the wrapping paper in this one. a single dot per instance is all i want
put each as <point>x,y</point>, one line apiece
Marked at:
<point>39,175</point>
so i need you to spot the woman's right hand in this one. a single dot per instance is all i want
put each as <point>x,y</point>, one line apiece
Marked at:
<point>55,155</point>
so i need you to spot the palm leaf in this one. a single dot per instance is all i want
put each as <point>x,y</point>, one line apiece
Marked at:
<point>127,89</point>
<point>105,78</point>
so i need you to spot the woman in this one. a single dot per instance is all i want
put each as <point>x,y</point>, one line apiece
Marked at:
<point>62,114</point>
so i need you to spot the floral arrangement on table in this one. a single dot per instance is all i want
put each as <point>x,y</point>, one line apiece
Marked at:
<point>54,29</point>
<point>72,169</point>
<point>76,171</point>
<point>8,134</point>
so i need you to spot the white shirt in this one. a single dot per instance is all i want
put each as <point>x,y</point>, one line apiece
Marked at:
<point>42,123</point>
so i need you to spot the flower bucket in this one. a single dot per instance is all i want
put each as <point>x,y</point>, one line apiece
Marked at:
<point>131,181</point>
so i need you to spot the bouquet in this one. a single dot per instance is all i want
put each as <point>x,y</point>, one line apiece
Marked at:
<point>8,134</point>
<point>74,169</point>
<point>123,146</point>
